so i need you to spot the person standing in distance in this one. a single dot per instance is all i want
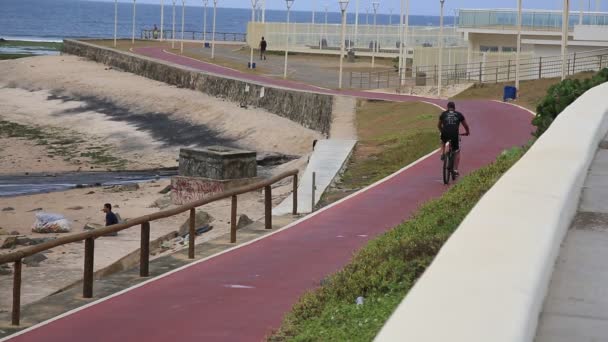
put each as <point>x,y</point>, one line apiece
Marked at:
<point>263,45</point>
<point>449,126</point>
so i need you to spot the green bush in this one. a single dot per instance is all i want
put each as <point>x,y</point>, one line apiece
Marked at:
<point>385,270</point>
<point>560,96</point>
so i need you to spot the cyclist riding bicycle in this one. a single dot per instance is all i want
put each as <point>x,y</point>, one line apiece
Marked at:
<point>449,126</point>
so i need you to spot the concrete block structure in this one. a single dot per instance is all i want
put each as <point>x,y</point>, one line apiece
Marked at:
<point>211,170</point>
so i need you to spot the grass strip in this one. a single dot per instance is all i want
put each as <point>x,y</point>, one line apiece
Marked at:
<point>386,269</point>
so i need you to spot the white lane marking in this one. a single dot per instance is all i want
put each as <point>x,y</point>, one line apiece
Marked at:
<point>239,286</point>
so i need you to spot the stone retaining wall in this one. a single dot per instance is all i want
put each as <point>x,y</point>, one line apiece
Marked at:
<point>311,110</point>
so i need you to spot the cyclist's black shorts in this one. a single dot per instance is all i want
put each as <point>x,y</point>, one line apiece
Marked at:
<point>454,139</point>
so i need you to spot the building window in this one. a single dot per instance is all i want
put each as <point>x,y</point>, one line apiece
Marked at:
<point>484,48</point>
<point>509,49</point>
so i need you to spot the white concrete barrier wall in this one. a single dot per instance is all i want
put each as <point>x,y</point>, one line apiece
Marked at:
<point>489,281</point>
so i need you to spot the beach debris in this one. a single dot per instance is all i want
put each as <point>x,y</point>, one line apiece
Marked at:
<point>90,193</point>
<point>360,300</point>
<point>10,242</point>
<point>5,270</point>
<point>162,203</point>
<point>8,209</point>
<point>273,158</point>
<point>123,187</point>
<point>243,221</point>
<point>34,260</point>
<point>201,219</point>
<point>51,223</point>
<point>3,232</point>
<point>37,209</point>
<point>75,208</point>
<point>26,241</point>
<point>14,232</point>
<point>166,190</point>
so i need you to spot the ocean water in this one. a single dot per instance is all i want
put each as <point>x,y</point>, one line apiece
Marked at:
<point>53,20</point>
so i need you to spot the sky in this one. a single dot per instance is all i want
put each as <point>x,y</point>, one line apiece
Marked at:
<point>417,7</point>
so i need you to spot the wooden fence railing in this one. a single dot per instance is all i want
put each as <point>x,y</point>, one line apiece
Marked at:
<point>144,221</point>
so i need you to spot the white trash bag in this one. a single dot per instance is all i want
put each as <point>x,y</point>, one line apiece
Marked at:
<point>51,223</point>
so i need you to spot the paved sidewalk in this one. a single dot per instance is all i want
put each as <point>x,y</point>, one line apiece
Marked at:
<point>576,307</point>
<point>327,160</point>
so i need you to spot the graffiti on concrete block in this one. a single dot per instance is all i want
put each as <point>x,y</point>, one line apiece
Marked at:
<point>186,190</point>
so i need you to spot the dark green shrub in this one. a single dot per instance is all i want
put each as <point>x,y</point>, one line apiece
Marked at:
<point>560,96</point>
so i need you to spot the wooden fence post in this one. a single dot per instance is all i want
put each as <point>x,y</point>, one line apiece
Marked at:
<point>16,293</point>
<point>540,68</point>
<point>295,195</point>
<point>144,250</point>
<point>192,233</point>
<point>268,207</point>
<point>89,252</point>
<point>233,220</point>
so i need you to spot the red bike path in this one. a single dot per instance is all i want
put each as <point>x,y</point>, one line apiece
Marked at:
<point>243,294</point>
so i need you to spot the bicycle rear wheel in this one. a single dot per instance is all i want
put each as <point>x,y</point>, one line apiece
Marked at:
<point>446,169</point>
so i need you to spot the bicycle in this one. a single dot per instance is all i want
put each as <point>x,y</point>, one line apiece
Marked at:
<point>448,162</point>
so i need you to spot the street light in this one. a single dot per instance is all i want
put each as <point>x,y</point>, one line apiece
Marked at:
<point>517,58</point>
<point>253,5</point>
<point>565,22</point>
<point>289,3</point>
<point>343,7</point>
<point>213,37</point>
<point>367,16</point>
<point>173,30</point>
<point>181,49</point>
<point>390,17</point>
<point>205,4</point>
<point>115,20</point>
<point>405,44</point>
<point>133,31</point>
<point>263,11</point>
<point>162,18</point>
<point>375,6</point>
<point>356,22</point>
<point>324,31</point>
<point>439,78</point>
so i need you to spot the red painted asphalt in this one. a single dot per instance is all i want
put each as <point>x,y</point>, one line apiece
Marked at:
<point>201,303</point>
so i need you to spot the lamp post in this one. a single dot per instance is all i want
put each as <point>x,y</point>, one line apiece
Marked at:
<point>181,49</point>
<point>356,22</point>
<point>263,11</point>
<point>439,77</point>
<point>565,21</point>
<point>375,6</point>
<point>173,30</point>
<point>162,18</point>
<point>343,7</point>
<point>289,3</point>
<point>254,3</point>
<point>390,17</point>
<point>133,30</point>
<point>205,4</point>
<point>406,37</point>
<point>324,31</point>
<point>401,42</point>
<point>115,20</point>
<point>314,4</point>
<point>517,58</point>
<point>367,16</point>
<point>213,37</point>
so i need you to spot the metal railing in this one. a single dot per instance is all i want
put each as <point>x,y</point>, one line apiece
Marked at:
<point>195,35</point>
<point>90,236</point>
<point>374,79</point>
<point>488,71</point>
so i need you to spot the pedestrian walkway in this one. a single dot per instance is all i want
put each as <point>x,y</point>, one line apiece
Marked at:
<point>328,159</point>
<point>576,307</point>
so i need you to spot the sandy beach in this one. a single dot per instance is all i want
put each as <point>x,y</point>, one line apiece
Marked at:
<point>63,113</point>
